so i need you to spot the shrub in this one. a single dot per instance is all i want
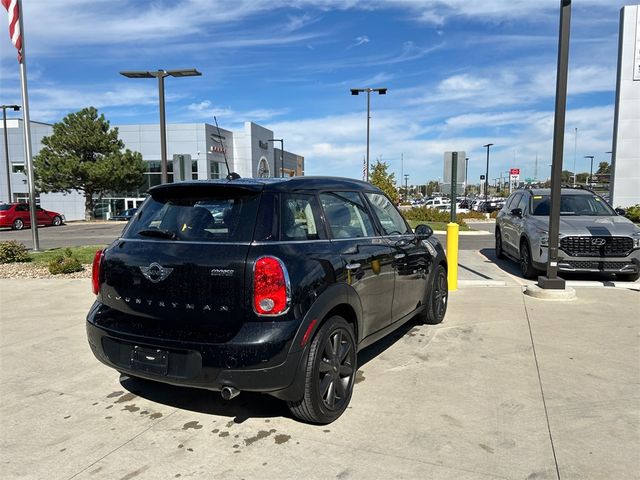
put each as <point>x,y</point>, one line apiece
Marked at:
<point>633,213</point>
<point>13,251</point>
<point>494,214</point>
<point>424,214</point>
<point>65,263</point>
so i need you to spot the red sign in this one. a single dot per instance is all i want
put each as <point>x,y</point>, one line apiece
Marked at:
<point>514,171</point>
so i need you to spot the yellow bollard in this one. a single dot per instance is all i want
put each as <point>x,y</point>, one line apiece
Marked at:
<point>452,256</point>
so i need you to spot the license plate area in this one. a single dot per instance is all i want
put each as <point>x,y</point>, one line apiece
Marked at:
<point>150,360</point>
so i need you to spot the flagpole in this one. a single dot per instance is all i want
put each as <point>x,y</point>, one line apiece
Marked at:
<point>27,137</point>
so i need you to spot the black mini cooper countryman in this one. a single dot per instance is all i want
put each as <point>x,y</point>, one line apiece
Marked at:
<point>262,285</point>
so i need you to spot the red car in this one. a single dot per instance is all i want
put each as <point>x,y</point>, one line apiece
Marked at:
<point>16,216</point>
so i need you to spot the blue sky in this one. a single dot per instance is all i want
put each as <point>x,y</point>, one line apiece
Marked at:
<point>460,74</point>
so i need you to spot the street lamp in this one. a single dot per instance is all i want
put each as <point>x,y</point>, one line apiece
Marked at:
<point>591,170</point>
<point>15,108</point>
<point>160,74</point>
<point>486,177</point>
<point>466,171</point>
<point>281,156</point>
<point>356,91</point>
<point>406,188</point>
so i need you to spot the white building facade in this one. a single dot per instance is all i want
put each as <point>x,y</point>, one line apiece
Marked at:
<point>625,178</point>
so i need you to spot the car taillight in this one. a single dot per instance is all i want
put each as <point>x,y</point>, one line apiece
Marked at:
<point>96,270</point>
<point>270,287</point>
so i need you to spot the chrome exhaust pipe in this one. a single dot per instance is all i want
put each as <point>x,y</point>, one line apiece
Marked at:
<point>229,393</point>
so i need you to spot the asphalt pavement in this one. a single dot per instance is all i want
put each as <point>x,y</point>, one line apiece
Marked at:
<point>102,233</point>
<point>507,387</point>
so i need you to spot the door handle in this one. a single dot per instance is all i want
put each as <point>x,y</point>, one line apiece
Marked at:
<point>353,266</point>
<point>399,256</point>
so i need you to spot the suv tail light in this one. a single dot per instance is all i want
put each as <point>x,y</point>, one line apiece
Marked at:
<point>270,287</point>
<point>96,271</point>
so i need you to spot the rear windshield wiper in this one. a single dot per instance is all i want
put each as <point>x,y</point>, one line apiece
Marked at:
<point>156,232</point>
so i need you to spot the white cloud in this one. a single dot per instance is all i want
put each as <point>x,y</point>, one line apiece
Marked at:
<point>205,111</point>
<point>361,40</point>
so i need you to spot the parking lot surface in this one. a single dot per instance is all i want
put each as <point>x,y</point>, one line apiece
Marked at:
<point>507,387</point>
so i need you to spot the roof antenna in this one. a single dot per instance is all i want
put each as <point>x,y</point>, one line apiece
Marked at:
<point>230,175</point>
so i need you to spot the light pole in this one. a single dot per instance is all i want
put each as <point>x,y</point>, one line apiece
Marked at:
<point>15,108</point>
<point>575,150</point>
<point>356,91</point>
<point>486,177</point>
<point>281,156</point>
<point>406,188</point>
<point>466,171</point>
<point>160,74</point>
<point>591,170</point>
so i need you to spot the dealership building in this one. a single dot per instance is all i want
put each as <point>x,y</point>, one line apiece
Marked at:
<point>195,151</point>
<point>625,178</point>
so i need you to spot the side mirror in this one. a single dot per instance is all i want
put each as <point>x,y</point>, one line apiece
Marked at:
<point>423,231</point>
<point>517,212</point>
<point>621,211</point>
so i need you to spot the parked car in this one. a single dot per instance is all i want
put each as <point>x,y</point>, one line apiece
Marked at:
<point>17,216</point>
<point>593,236</point>
<point>278,298</point>
<point>435,202</point>
<point>125,216</point>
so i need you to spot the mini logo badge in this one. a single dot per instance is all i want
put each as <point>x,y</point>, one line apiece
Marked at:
<point>598,242</point>
<point>155,272</point>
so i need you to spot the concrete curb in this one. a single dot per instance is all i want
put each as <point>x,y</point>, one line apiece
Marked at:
<point>481,283</point>
<point>535,291</point>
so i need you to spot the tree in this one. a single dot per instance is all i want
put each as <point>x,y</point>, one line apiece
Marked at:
<point>432,187</point>
<point>567,176</point>
<point>384,181</point>
<point>603,168</point>
<point>84,154</point>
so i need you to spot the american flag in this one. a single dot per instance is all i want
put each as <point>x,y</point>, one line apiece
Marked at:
<point>14,24</point>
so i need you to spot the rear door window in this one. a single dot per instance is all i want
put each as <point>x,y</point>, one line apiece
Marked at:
<point>299,220</point>
<point>225,216</point>
<point>346,215</point>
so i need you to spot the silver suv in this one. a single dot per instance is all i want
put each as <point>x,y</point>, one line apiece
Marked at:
<point>593,236</point>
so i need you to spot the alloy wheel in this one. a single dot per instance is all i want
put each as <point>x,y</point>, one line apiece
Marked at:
<point>440,295</point>
<point>335,371</point>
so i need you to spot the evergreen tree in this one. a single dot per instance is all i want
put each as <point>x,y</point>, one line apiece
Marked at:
<point>384,181</point>
<point>84,154</point>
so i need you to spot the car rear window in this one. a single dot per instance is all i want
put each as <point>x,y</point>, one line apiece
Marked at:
<point>225,216</point>
<point>4,207</point>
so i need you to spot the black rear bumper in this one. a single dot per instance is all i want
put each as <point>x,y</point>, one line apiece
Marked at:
<point>270,368</point>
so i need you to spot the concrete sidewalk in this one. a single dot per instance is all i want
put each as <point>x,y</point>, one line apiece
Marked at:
<point>468,399</point>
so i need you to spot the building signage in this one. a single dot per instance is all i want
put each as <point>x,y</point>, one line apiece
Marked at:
<point>263,145</point>
<point>217,149</point>
<point>514,171</point>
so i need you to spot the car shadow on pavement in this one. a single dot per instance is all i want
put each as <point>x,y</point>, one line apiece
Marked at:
<point>510,266</point>
<point>244,406</point>
<point>247,404</point>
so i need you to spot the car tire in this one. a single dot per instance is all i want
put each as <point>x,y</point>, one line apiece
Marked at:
<point>330,373</point>
<point>438,297</point>
<point>499,251</point>
<point>526,264</point>
<point>57,221</point>
<point>18,224</point>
